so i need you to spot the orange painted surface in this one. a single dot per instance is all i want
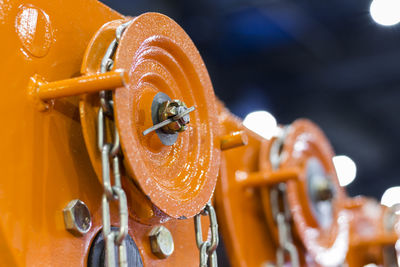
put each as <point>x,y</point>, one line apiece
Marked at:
<point>160,57</point>
<point>241,219</point>
<point>178,179</point>
<point>49,160</point>
<point>244,208</point>
<point>45,161</point>
<point>368,234</point>
<point>81,85</point>
<point>233,140</point>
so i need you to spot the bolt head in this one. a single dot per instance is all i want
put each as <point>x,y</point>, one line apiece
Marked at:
<point>77,217</point>
<point>161,241</point>
<point>170,109</point>
<point>324,189</point>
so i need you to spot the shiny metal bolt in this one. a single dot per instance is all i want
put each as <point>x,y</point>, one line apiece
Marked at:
<point>161,241</point>
<point>170,109</point>
<point>77,217</point>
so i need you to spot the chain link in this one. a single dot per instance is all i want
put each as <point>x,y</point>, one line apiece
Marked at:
<point>207,248</point>
<point>112,192</point>
<point>107,63</point>
<point>280,209</point>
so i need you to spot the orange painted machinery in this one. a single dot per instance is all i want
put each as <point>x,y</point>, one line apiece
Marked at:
<point>86,184</point>
<point>114,142</point>
<point>279,203</point>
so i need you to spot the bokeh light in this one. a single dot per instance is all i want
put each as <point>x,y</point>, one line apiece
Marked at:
<point>385,12</point>
<point>391,196</point>
<point>346,169</point>
<point>262,123</point>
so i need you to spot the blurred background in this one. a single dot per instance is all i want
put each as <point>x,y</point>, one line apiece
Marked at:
<point>329,61</point>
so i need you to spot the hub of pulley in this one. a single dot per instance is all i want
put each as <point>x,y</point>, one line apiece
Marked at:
<point>170,117</point>
<point>171,150</point>
<point>321,192</point>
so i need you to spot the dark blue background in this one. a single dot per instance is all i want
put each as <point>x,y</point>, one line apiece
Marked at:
<point>324,60</point>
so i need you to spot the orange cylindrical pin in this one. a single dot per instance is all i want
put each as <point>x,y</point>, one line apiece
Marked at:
<point>268,178</point>
<point>81,85</point>
<point>233,140</point>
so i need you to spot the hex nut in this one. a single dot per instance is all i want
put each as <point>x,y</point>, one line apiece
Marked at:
<point>161,241</point>
<point>77,217</point>
<point>170,109</point>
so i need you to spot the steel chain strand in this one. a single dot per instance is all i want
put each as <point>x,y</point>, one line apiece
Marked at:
<point>283,220</point>
<point>108,235</point>
<point>112,192</point>
<point>203,254</point>
<point>280,209</point>
<point>288,245</point>
<point>207,248</point>
<point>107,64</point>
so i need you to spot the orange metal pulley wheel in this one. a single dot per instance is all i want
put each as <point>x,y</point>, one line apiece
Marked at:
<point>48,165</point>
<point>143,214</point>
<point>321,224</point>
<point>244,205</point>
<point>159,57</point>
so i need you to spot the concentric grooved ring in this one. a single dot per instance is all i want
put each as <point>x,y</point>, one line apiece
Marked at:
<point>160,57</point>
<point>153,55</point>
<point>305,141</point>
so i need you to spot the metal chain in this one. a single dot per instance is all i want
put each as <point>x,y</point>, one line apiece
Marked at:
<point>107,64</point>
<point>207,248</point>
<point>282,217</point>
<point>113,238</point>
<point>280,209</point>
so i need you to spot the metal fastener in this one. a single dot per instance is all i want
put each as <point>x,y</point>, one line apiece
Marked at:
<point>77,217</point>
<point>321,191</point>
<point>170,109</point>
<point>169,118</point>
<point>161,241</point>
<point>324,189</point>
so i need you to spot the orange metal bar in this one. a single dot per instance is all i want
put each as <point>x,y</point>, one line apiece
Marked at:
<point>267,178</point>
<point>233,140</point>
<point>81,85</point>
<point>355,202</point>
<point>380,240</point>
